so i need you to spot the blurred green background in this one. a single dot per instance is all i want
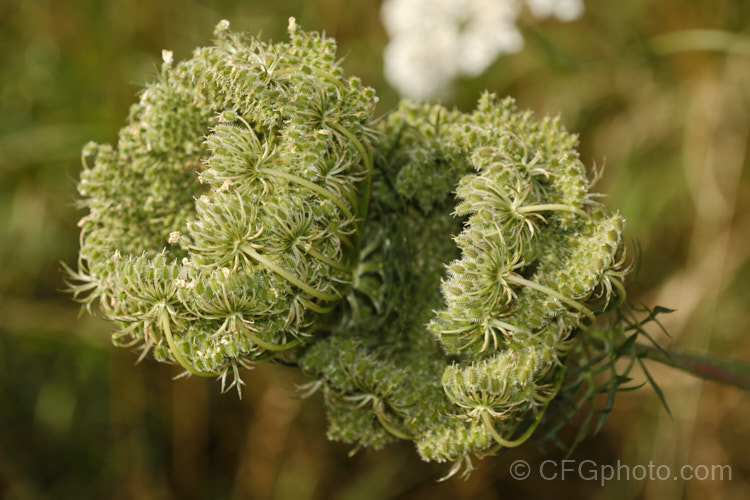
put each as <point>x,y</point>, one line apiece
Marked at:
<point>659,92</point>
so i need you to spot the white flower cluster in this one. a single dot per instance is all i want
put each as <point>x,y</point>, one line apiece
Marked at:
<point>434,41</point>
<point>564,10</point>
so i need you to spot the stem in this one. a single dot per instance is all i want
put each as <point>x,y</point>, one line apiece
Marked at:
<point>701,40</point>
<point>164,324</point>
<point>364,197</point>
<point>621,293</point>
<point>316,71</point>
<point>344,239</point>
<point>490,425</point>
<point>731,372</point>
<point>311,250</point>
<point>553,206</point>
<point>552,293</point>
<point>288,276</point>
<point>357,144</point>
<point>325,75</point>
<point>363,208</point>
<point>267,345</point>
<point>384,422</point>
<point>312,186</point>
<point>462,329</point>
<point>318,308</point>
<point>507,326</point>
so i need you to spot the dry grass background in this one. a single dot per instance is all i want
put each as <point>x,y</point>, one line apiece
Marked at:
<point>659,99</point>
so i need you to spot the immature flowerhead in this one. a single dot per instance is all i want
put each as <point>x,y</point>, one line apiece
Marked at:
<point>437,279</point>
<point>231,201</point>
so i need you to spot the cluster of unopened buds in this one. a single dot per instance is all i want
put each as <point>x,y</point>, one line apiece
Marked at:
<point>438,275</point>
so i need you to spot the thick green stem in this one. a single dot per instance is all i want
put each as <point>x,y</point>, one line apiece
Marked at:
<point>364,197</point>
<point>725,371</point>
<point>311,250</point>
<point>388,427</point>
<point>490,425</point>
<point>507,326</point>
<point>312,186</point>
<point>164,324</point>
<point>288,276</point>
<point>268,346</point>
<point>318,308</point>
<point>552,293</point>
<point>357,144</point>
<point>553,207</point>
<point>622,294</point>
<point>701,40</point>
